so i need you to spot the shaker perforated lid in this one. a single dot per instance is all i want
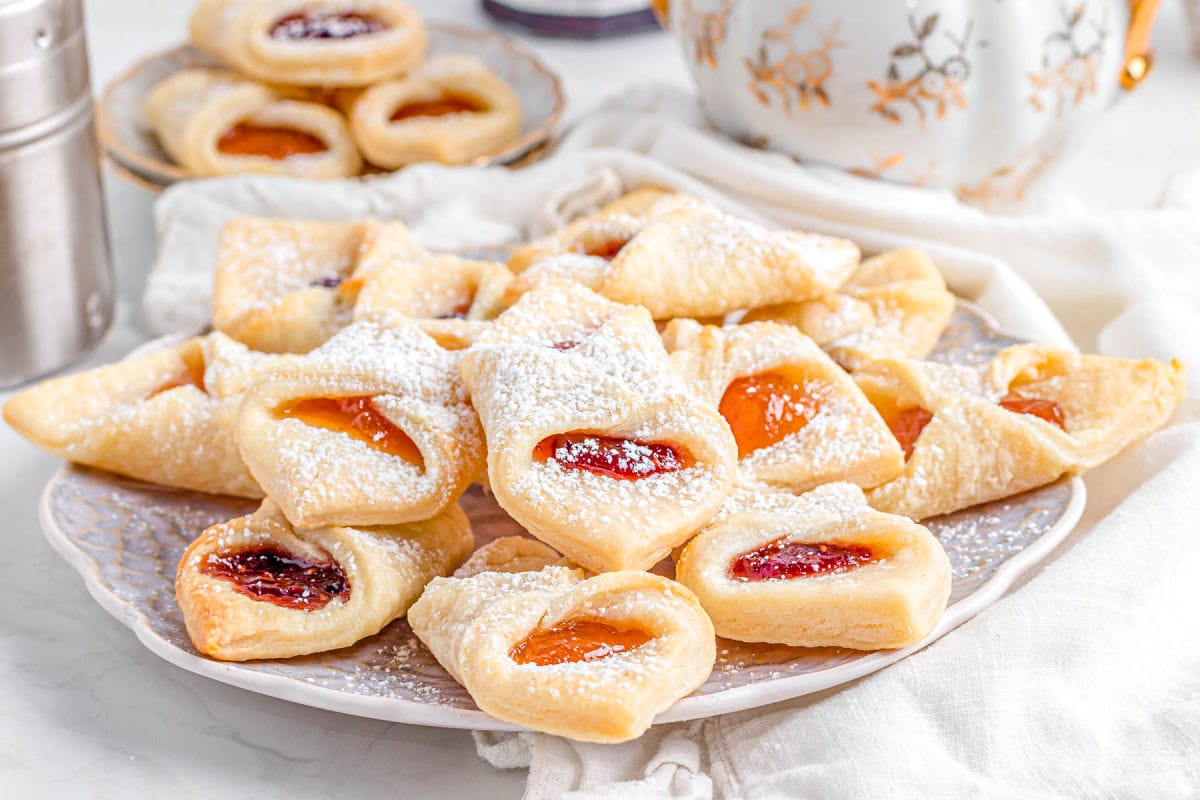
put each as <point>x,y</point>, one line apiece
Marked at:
<point>43,64</point>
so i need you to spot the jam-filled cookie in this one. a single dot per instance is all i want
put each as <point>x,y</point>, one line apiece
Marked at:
<point>168,417</point>
<point>822,569</point>
<point>452,109</point>
<point>690,259</point>
<point>311,42</point>
<point>372,428</point>
<point>214,122</point>
<point>895,305</point>
<point>799,420</point>
<point>283,286</point>
<point>449,298</point>
<point>592,659</point>
<point>594,445</point>
<point>257,587</point>
<point>1038,413</point>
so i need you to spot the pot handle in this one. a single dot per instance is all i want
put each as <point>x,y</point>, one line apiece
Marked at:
<point>662,10</point>
<point>1138,56</point>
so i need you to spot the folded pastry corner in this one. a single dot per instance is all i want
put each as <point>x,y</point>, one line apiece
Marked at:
<point>893,305</point>
<point>168,417</point>
<point>592,659</point>
<point>1036,414</point>
<point>257,587</point>
<point>215,122</point>
<point>798,419</point>
<point>452,109</point>
<point>594,445</point>
<point>372,428</point>
<point>326,43</point>
<point>821,569</point>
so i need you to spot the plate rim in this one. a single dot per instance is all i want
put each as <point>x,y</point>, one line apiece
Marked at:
<point>129,162</point>
<point>403,710</point>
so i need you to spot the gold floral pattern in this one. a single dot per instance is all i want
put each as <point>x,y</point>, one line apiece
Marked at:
<point>797,74</point>
<point>896,167</point>
<point>707,31</point>
<point>1005,187</point>
<point>931,83</point>
<point>1070,59</point>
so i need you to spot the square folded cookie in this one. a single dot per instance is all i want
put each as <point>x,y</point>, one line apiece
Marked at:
<point>169,417</point>
<point>687,258</point>
<point>799,420</point>
<point>284,286</point>
<point>895,305</point>
<point>820,570</point>
<point>1038,413</point>
<point>594,445</point>
<point>257,587</point>
<point>591,659</point>
<point>372,428</point>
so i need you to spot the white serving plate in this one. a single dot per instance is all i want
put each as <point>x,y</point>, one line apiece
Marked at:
<point>136,155</point>
<point>125,538</point>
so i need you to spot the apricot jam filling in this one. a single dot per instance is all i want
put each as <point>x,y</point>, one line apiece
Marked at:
<point>764,409</point>
<point>272,575</point>
<point>783,560</point>
<point>192,374</point>
<point>611,456</point>
<point>1048,410</point>
<point>907,425</point>
<point>329,25</point>
<point>606,249</point>
<point>436,107</point>
<point>356,417</point>
<point>276,143</point>
<point>576,640</point>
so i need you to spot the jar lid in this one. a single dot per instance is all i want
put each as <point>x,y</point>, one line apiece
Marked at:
<point>43,60</point>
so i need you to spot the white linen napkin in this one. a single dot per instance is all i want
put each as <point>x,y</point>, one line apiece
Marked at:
<point>1081,682</point>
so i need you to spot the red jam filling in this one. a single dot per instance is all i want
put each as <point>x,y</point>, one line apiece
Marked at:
<point>1048,410</point>
<point>576,640</point>
<point>330,25</point>
<point>783,560</point>
<point>565,345</point>
<point>329,281</point>
<point>764,409</point>
<point>192,374</point>
<point>907,426</point>
<point>245,139</point>
<point>356,417</point>
<point>611,456</point>
<point>438,107</point>
<point>274,576</point>
<point>607,249</point>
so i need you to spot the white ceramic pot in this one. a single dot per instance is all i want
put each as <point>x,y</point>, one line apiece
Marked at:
<point>976,95</point>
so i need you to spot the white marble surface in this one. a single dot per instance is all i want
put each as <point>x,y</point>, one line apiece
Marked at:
<point>85,711</point>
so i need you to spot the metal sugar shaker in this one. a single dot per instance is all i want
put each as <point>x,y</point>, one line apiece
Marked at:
<point>55,278</point>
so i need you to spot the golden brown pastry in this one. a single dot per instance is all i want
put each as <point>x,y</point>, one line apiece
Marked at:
<point>311,42</point>
<point>594,445</point>
<point>215,122</point>
<point>257,587</point>
<point>511,554</point>
<point>799,420</point>
<point>820,570</point>
<point>895,305</point>
<point>591,659</point>
<point>453,109</point>
<point>449,298</point>
<point>372,428</point>
<point>284,286</point>
<point>687,258</point>
<point>168,417</point>
<point>1038,413</point>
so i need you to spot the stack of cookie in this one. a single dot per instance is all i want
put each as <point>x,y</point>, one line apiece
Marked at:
<point>313,88</point>
<point>657,382</point>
